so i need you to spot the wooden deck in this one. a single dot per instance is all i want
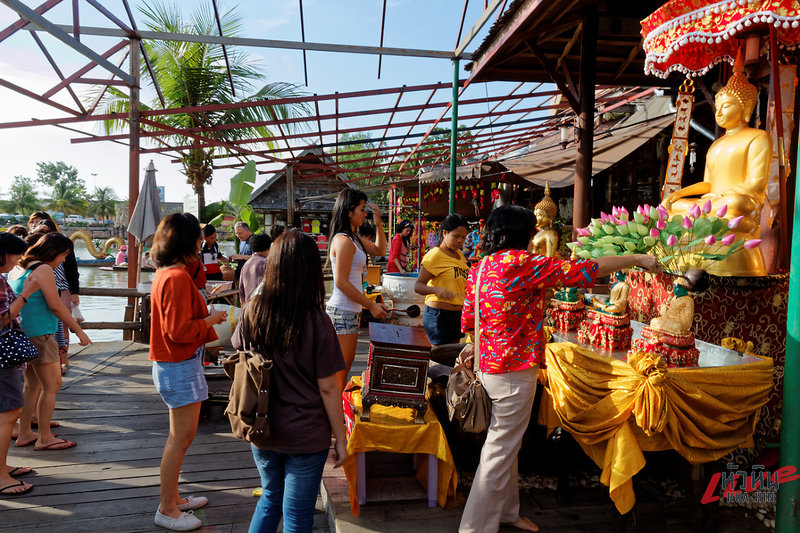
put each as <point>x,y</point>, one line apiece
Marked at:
<point>110,480</point>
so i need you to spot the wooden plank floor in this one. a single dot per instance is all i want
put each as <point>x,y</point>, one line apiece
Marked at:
<point>110,480</point>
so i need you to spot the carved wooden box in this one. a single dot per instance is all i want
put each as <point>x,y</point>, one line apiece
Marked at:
<point>397,371</point>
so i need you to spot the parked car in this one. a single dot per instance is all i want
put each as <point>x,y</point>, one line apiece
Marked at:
<point>74,218</point>
<point>92,221</point>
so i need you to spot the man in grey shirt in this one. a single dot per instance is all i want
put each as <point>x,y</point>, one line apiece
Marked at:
<point>253,270</point>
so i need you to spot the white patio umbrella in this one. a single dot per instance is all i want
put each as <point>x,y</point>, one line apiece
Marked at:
<point>146,214</point>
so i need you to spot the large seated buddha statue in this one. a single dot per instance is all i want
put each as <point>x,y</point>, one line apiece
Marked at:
<point>736,174</point>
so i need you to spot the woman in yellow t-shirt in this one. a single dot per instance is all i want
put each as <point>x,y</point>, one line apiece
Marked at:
<point>443,280</point>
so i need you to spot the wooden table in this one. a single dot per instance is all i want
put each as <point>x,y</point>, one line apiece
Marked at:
<point>229,297</point>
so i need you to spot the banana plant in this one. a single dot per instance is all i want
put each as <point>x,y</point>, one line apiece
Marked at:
<point>237,207</point>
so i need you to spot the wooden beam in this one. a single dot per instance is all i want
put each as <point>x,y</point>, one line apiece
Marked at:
<point>569,45</point>
<point>476,28</point>
<point>568,92</point>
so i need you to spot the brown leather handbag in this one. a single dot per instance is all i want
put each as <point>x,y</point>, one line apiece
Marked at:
<point>468,404</point>
<point>248,401</point>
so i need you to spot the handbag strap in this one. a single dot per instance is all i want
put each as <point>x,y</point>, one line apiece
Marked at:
<point>477,334</point>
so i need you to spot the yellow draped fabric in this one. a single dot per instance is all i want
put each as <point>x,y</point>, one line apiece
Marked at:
<point>392,429</point>
<point>616,410</point>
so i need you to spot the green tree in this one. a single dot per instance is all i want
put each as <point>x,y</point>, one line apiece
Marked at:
<point>194,74</point>
<point>48,174</point>
<point>68,198</point>
<point>103,202</point>
<point>352,152</point>
<point>23,197</point>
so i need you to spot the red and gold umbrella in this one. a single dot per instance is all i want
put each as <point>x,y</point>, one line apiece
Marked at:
<point>691,36</point>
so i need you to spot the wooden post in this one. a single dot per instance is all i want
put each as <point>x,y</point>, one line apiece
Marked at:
<point>583,160</point>
<point>133,168</point>
<point>289,196</point>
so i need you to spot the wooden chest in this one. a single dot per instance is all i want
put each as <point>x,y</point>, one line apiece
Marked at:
<point>397,371</point>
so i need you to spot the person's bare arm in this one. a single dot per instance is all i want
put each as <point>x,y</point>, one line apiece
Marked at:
<point>332,400</point>
<point>377,248</point>
<point>608,265</point>
<point>421,285</point>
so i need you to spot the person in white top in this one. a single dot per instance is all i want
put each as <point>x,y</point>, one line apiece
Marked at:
<point>348,257</point>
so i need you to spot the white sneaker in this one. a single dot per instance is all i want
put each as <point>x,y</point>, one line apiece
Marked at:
<point>185,522</point>
<point>193,502</point>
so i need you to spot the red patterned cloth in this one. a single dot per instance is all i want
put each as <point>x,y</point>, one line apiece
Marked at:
<point>751,309</point>
<point>691,36</point>
<point>512,298</point>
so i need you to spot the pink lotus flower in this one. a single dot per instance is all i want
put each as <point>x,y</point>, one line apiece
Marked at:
<point>687,222</point>
<point>603,217</point>
<point>722,211</point>
<point>654,233</point>
<point>672,240</point>
<point>662,211</point>
<point>623,212</point>
<point>694,211</point>
<point>640,210</point>
<point>752,243</point>
<point>583,232</point>
<point>615,211</point>
<point>707,207</point>
<point>613,219</point>
<point>734,222</point>
<point>711,240</point>
<point>576,244</point>
<point>661,224</point>
<point>727,240</point>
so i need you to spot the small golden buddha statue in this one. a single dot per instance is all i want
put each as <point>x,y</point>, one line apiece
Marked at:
<point>617,303</point>
<point>545,242</point>
<point>679,316</point>
<point>736,174</point>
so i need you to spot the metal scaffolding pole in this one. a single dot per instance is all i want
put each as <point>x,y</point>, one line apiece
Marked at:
<point>453,138</point>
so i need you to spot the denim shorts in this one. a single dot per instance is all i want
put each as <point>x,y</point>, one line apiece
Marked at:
<point>344,322</point>
<point>442,326</point>
<point>180,384</point>
<point>10,389</point>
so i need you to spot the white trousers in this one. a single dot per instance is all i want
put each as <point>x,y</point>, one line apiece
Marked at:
<point>494,497</point>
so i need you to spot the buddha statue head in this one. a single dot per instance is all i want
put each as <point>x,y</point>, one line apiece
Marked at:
<point>546,210</point>
<point>735,102</point>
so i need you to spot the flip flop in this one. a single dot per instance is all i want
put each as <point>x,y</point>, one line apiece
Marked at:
<point>60,444</point>
<point>4,490</point>
<point>53,424</point>
<point>19,471</point>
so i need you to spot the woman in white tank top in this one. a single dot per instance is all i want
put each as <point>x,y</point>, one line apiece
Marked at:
<point>348,257</point>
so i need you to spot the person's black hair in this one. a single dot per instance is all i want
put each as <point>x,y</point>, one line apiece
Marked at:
<point>45,248</point>
<point>176,239</point>
<point>400,226</point>
<point>276,231</point>
<point>453,221</point>
<point>367,230</point>
<point>209,230</point>
<point>509,227</point>
<point>19,230</point>
<point>10,244</point>
<point>259,242</point>
<point>346,202</point>
<point>293,288</point>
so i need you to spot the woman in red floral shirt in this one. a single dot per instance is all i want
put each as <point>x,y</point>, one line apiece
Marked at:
<point>511,299</point>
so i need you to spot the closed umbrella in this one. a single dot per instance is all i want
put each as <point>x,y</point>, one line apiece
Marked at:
<point>147,212</point>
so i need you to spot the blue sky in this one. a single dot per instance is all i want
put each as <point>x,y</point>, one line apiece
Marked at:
<point>424,24</point>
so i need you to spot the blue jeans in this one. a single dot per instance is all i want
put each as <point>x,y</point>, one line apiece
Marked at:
<point>290,484</point>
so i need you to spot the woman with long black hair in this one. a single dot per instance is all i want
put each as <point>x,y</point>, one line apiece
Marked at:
<point>286,324</point>
<point>348,255</point>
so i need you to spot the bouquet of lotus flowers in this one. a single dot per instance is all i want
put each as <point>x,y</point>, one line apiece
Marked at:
<point>680,243</point>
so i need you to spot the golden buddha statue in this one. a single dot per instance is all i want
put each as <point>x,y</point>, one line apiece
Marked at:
<point>736,174</point>
<point>545,242</point>
<point>617,303</point>
<point>679,315</point>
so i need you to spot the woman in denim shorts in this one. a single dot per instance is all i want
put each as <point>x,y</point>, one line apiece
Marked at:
<point>180,324</point>
<point>348,257</point>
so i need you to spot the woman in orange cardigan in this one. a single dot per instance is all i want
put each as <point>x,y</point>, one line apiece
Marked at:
<point>180,323</point>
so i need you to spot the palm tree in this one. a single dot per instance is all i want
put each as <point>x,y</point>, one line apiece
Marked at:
<point>103,202</point>
<point>22,196</point>
<point>193,74</point>
<point>67,198</point>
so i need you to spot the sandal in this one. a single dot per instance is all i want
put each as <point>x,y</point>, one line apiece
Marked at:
<point>19,471</point>
<point>5,491</point>
<point>60,444</point>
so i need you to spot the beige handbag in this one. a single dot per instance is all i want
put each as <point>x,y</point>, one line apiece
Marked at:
<point>468,404</point>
